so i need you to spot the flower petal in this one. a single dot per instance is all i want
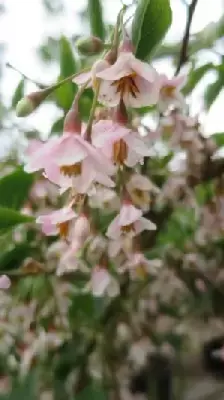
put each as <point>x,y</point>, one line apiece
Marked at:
<point>113,230</point>
<point>5,282</point>
<point>128,215</point>
<point>108,94</point>
<point>148,94</point>
<point>70,151</point>
<point>100,280</point>
<point>144,224</point>
<point>107,131</point>
<point>82,78</point>
<point>119,69</point>
<point>143,70</point>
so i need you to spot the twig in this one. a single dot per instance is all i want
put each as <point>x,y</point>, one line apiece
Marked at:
<point>40,85</point>
<point>184,49</point>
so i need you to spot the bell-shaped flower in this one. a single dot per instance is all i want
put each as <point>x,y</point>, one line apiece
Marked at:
<point>129,222</point>
<point>139,188</point>
<point>120,144</point>
<point>71,260</point>
<point>140,267</point>
<point>170,94</point>
<point>130,80</point>
<point>57,222</point>
<point>103,283</point>
<point>79,160</point>
<point>39,154</point>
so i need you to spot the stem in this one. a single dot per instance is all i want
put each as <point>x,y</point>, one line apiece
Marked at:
<point>92,112</point>
<point>40,85</point>
<point>184,49</point>
<point>68,79</point>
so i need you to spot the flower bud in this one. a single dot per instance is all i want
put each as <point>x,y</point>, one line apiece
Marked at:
<point>89,46</point>
<point>72,121</point>
<point>29,103</point>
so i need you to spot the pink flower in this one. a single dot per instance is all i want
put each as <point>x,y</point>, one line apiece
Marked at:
<point>57,221</point>
<point>129,79</point>
<point>170,92</point>
<point>70,260</point>
<point>80,161</point>
<point>129,222</point>
<point>90,75</point>
<point>103,283</point>
<point>139,188</point>
<point>118,143</point>
<point>39,154</point>
<point>104,198</point>
<point>5,282</point>
<point>140,267</point>
<point>81,228</point>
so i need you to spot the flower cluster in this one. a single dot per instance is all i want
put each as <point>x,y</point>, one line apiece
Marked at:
<point>100,163</point>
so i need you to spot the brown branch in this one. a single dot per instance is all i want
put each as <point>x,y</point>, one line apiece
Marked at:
<point>184,49</point>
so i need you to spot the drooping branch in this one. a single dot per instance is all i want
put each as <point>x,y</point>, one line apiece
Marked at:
<point>184,49</point>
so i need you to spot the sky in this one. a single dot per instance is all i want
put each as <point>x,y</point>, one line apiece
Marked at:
<point>25,25</point>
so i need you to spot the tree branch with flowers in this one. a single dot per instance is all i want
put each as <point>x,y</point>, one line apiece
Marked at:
<point>116,244</point>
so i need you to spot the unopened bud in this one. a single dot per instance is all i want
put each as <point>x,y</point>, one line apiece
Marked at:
<point>72,121</point>
<point>29,103</point>
<point>89,46</point>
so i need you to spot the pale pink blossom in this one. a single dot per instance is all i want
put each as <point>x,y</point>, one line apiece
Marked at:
<point>70,161</point>
<point>104,198</point>
<point>78,159</point>
<point>129,222</point>
<point>170,92</point>
<point>90,75</point>
<point>5,282</point>
<point>81,228</point>
<point>129,79</point>
<point>140,188</point>
<point>103,283</point>
<point>118,143</point>
<point>70,260</point>
<point>57,221</point>
<point>140,267</point>
<point>39,154</point>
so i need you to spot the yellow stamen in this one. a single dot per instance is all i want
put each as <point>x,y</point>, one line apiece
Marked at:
<point>127,228</point>
<point>120,152</point>
<point>127,84</point>
<point>141,271</point>
<point>72,170</point>
<point>63,229</point>
<point>168,90</point>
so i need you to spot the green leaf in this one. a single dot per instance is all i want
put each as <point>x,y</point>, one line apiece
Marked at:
<point>57,126</point>
<point>150,23</point>
<point>93,392</point>
<point>10,218</point>
<point>85,308</point>
<point>195,76</point>
<point>19,93</point>
<point>27,389</point>
<point>212,92</point>
<point>14,188</point>
<point>68,66</point>
<point>96,18</point>
<point>14,256</point>
<point>218,138</point>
